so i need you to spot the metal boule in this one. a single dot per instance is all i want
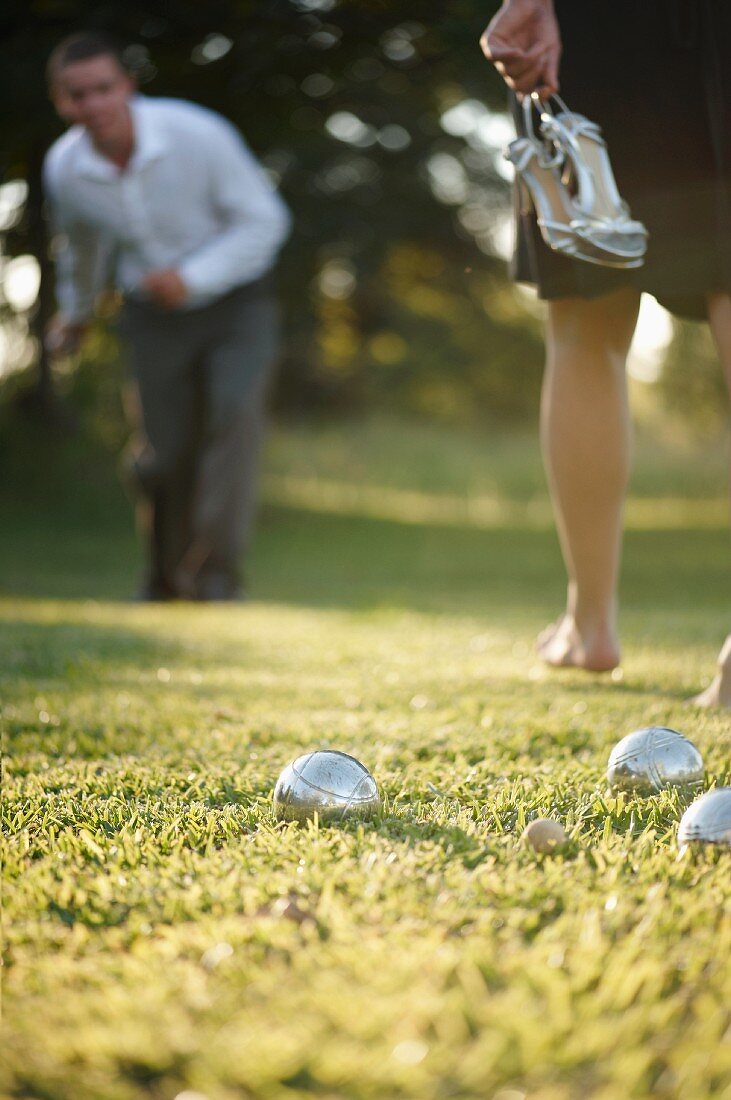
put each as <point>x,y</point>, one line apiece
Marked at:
<point>648,760</point>
<point>328,783</point>
<point>708,820</point>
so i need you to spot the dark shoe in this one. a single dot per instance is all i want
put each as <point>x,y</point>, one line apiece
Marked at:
<point>155,592</point>
<point>217,588</point>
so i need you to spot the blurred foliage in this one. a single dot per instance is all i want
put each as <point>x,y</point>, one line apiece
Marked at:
<point>691,386</point>
<point>393,293</point>
<point>390,298</point>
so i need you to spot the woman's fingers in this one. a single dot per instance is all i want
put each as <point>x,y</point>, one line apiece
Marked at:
<point>528,70</point>
<point>524,43</point>
<point>550,67</point>
<point>499,51</point>
<point>525,82</point>
<point>520,69</point>
<point>496,50</point>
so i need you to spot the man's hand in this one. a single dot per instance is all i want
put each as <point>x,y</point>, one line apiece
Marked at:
<point>524,43</point>
<point>62,337</point>
<point>166,288</point>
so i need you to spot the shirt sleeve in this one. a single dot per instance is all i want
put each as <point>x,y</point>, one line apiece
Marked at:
<point>83,255</point>
<point>255,222</point>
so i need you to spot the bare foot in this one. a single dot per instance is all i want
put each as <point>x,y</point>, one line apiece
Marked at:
<point>547,633</point>
<point>718,693</point>
<point>564,646</point>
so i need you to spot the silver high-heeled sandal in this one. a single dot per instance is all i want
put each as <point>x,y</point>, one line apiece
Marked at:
<point>562,225</point>
<point>610,226</point>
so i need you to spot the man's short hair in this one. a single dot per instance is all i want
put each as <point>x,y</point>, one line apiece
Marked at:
<point>82,47</point>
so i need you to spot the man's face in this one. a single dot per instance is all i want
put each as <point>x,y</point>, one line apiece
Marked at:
<point>94,93</point>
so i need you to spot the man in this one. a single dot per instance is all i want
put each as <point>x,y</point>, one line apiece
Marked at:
<point>164,198</point>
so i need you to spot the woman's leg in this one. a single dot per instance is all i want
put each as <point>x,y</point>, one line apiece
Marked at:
<point>585,433</point>
<point>719,316</point>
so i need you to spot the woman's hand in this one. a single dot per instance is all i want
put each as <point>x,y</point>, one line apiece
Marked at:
<point>523,42</point>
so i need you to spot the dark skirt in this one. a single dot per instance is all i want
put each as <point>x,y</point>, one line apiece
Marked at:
<point>656,76</point>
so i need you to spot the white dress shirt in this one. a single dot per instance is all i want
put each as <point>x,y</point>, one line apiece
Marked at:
<point>191,198</point>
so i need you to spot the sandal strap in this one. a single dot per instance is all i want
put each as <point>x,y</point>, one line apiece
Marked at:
<point>580,126</point>
<point>522,150</point>
<point>520,153</point>
<point>618,225</point>
<point>563,227</point>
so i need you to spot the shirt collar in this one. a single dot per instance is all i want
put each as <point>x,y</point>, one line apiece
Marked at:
<point>150,144</point>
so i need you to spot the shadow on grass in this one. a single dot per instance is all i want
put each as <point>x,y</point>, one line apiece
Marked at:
<point>324,560</point>
<point>79,651</point>
<point>321,559</point>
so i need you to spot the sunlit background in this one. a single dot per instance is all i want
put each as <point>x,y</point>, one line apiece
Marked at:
<point>385,135</point>
<point>482,129</point>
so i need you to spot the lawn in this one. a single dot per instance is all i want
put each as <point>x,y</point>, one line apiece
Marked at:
<point>165,938</point>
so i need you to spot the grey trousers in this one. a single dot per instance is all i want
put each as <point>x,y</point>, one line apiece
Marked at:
<point>199,386</point>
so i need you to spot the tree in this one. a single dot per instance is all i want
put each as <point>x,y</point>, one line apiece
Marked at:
<point>388,294</point>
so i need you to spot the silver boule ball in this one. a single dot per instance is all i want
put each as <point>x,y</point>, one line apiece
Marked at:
<point>647,760</point>
<point>708,820</point>
<point>330,784</point>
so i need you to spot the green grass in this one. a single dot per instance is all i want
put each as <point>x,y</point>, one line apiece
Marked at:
<point>164,936</point>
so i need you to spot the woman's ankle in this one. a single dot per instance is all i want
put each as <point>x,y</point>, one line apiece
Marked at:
<point>594,622</point>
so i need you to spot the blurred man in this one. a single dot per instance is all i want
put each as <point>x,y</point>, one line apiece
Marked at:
<point>164,198</point>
